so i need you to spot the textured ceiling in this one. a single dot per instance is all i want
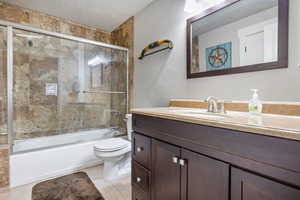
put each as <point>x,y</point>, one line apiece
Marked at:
<point>103,14</point>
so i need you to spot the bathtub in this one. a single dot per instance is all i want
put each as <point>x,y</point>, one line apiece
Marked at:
<point>43,158</point>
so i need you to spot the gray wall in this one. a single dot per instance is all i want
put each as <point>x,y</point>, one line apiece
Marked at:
<point>161,77</point>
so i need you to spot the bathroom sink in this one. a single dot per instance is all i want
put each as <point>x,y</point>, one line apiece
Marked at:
<point>200,113</point>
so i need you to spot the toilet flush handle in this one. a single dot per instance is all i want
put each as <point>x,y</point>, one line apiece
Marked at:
<point>139,149</point>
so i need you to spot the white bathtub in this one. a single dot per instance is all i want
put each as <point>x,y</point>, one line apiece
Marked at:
<point>68,153</point>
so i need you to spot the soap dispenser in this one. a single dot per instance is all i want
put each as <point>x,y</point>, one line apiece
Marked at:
<point>255,105</point>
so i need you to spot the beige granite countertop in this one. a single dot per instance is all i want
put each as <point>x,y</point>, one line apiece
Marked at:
<point>282,126</point>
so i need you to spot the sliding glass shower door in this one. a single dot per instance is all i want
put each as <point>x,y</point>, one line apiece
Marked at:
<point>3,94</point>
<point>63,86</point>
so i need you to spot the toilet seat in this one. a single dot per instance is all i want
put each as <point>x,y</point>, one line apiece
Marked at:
<point>112,154</point>
<point>111,145</point>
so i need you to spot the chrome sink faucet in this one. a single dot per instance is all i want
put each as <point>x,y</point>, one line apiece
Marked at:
<point>215,105</point>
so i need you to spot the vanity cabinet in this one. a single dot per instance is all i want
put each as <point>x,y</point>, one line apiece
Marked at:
<point>180,174</point>
<point>185,161</point>
<point>247,186</point>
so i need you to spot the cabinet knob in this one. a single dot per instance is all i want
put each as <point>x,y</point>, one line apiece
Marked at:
<point>138,179</point>
<point>139,149</point>
<point>182,162</point>
<point>175,159</point>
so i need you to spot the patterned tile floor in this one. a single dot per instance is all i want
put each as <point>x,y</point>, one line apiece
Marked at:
<point>111,190</point>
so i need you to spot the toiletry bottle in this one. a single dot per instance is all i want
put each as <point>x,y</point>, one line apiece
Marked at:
<point>255,105</point>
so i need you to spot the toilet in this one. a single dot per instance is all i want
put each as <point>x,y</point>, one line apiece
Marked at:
<point>115,153</point>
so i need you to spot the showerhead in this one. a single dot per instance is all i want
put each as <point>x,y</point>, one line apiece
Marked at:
<point>30,43</point>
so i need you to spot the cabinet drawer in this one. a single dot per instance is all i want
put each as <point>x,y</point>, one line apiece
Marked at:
<point>141,149</point>
<point>138,194</point>
<point>140,177</point>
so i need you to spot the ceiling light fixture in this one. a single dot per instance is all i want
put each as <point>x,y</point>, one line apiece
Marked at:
<point>199,5</point>
<point>190,6</point>
<point>96,61</point>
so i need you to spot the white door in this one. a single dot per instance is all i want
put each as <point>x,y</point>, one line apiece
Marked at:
<point>271,42</point>
<point>252,49</point>
<point>259,43</point>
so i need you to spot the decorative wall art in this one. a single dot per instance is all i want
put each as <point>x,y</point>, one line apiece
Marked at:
<point>219,57</point>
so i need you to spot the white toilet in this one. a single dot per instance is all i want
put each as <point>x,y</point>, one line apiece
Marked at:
<point>115,153</point>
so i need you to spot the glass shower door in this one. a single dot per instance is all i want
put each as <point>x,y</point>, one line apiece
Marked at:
<point>3,81</point>
<point>62,86</point>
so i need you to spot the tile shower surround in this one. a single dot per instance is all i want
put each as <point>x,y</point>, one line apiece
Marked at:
<point>123,36</point>
<point>4,167</point>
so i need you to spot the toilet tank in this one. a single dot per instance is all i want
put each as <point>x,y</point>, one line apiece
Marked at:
<point>129,125</point>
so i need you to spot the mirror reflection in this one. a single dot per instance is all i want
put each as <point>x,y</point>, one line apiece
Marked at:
<point>243,34</point>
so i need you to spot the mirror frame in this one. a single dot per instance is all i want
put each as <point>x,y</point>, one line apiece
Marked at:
<point>283,40</point>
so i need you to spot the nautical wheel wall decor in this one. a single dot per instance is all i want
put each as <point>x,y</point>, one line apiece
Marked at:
<point>218,57</point>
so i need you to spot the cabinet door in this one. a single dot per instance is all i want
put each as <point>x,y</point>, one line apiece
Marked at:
<point>165,172</point>
<point>204,178</point>
<point>247,186</point>
<point>138,194</point>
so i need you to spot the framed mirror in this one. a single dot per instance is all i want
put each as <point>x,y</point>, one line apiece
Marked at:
<point>238,36</point>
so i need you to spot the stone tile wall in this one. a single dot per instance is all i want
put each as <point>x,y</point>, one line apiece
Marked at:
<point>4,168</point>
<point>195,68</point>
<point>124,36</point>
<point>40,20</point>
<point>119,79</point>
<point>3,138</point>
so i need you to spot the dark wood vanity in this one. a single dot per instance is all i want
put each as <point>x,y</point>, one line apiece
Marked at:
<point>174,160</point>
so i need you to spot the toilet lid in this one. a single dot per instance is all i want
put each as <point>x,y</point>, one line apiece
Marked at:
<point>112,144</point>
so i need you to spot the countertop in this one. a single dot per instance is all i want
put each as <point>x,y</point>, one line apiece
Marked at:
<point>282,126</point>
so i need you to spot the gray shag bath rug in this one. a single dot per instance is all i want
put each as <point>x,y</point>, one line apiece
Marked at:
<point>77,186</point>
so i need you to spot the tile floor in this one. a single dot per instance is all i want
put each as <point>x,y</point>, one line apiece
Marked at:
<point>111,190</point>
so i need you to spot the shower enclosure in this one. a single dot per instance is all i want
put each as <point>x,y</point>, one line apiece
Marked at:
<point>3,87</point>
<point>58,90</point>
